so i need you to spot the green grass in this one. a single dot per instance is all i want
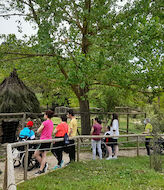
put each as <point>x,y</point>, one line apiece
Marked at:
<point>121,174</point>
<point>133,127</point>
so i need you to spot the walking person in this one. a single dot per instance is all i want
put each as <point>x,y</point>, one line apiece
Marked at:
<point>59,132</point>
<point>148,130</point>
<point>72,131</point>
<point>114,132</point>
<point>96,142</point>
<point>45,130</point>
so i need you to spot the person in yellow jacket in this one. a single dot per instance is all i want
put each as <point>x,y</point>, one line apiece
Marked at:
<point>72,131</point>
<point>148,130</point>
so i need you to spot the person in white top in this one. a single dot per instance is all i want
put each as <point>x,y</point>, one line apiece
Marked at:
<point>114,131</point>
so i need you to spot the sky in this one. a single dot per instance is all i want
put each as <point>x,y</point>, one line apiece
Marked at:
<point>10,27</point>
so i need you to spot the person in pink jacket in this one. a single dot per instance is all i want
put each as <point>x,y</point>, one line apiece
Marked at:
<point>45,130</point>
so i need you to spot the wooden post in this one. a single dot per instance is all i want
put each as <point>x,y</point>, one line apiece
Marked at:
<point>10,169</point>
<point>145,115</point>
<point>26,161</point>
<point>78,149</point>
<point>137,145</point>
<point>127,129</point>
<point>5,176</point>
<point>23,121</point>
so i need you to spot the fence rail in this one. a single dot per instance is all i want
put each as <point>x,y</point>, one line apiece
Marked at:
<point>9,177</point>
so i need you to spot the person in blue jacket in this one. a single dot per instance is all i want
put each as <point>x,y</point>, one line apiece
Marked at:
<point>27,133</point>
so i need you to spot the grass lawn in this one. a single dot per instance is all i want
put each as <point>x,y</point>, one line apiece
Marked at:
<point>121,174</point>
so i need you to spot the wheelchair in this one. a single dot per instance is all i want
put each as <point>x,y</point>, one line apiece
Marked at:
<point>158,144</point>
<point>19,157</point>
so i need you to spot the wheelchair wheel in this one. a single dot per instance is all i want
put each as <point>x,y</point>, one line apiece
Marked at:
<point>31,163</point>
<point>16,158</point>
<point>104,151</point>
<point>17,163</point>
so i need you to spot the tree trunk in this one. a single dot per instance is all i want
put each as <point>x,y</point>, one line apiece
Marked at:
<point>83,100</point>
<point>85,117</point>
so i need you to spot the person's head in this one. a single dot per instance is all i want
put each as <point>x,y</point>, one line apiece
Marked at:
<point>108,128</point>
<point>70,113</point>
<point>146,121</point>
<point>29,124</point>
<point>48,114</point>
<point>97,120</point>
<point>115,116</point>
<point>63,118</point>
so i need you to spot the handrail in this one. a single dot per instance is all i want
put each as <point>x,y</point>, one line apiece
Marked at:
<point>23,143</point>
<point>9,183</point>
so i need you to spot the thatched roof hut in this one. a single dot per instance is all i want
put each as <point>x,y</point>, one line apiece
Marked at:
<point>16,97</point>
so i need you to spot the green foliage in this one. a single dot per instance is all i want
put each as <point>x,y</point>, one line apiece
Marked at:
<point>124,173</point>
<point>82,45</point>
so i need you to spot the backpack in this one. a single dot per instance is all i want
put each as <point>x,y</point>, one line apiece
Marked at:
<point>66,139</point>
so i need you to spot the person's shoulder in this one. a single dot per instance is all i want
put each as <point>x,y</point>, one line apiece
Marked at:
<point>94,125</point>
<point>74,119</point>
<point>65,124</point>
<point>149,125</point>
<point>24,129</point>
<point>115,122</point>
<point>44,122</point>
<point>59,125</point>
<point>32,131</point>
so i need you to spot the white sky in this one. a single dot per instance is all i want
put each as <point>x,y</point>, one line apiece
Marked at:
<point>10,27</point>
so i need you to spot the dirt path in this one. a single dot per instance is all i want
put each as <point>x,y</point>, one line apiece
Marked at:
<point>52,162</point>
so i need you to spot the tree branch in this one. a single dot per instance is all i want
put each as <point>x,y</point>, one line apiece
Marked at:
<point>34,12</point>
<point>74,87</point>
<point>32,55</point>
<point>71,19</point>
<point>15,14</point>
<point>16,58</point>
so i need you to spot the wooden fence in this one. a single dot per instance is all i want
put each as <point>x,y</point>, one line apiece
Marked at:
<point>9,177</point>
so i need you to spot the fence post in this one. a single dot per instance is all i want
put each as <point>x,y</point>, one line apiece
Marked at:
<point>78,149</point>
<point>10,169</point>
<point>127,129</point>
<point>5,176</point>
<point>137,145</point>
<point>23,121</point>
<point>26,161</point>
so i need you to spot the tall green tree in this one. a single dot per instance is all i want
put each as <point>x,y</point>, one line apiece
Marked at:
<point>82,44</point>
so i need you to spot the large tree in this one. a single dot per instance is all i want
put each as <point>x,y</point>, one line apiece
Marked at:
<point>88,43</point>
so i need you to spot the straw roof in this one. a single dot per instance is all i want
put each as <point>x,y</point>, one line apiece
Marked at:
<point>16,97</point>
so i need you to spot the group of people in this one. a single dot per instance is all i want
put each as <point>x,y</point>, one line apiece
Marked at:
<point>111,141</point>
<point>46,130</point>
